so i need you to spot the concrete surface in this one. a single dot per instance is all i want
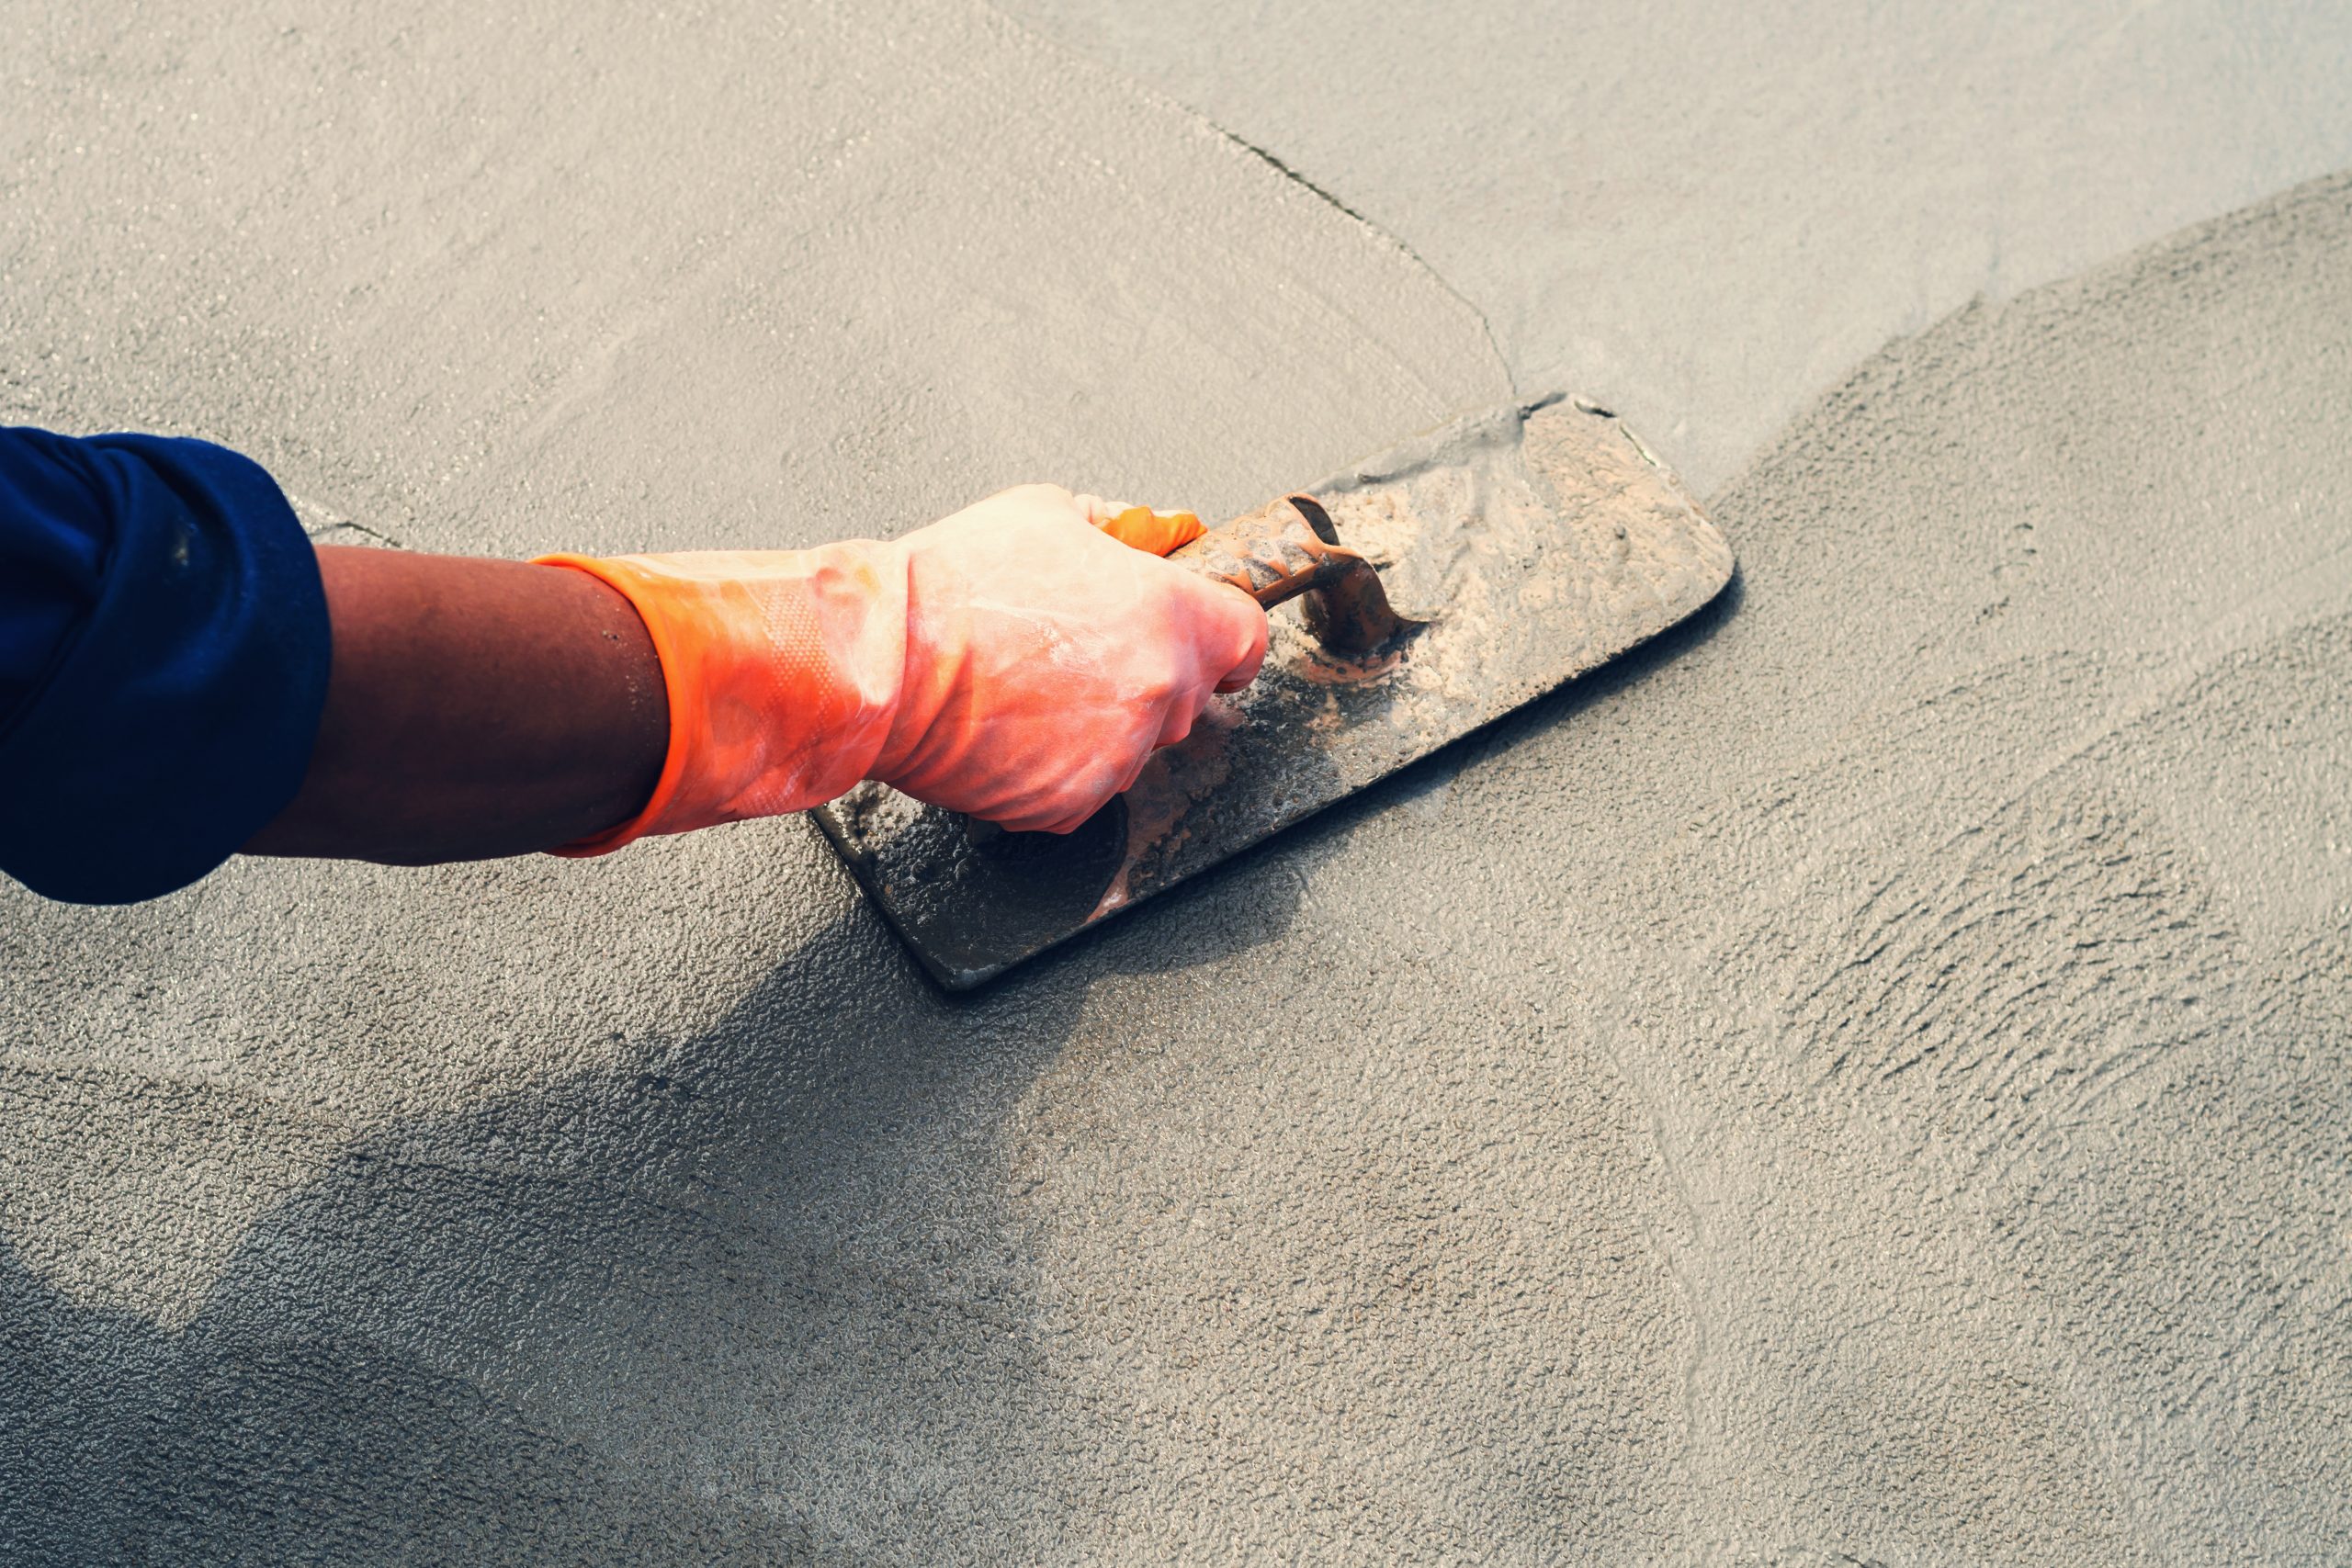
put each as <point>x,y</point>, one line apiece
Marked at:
<point>1708,214</point>
<point>1866,1082</point>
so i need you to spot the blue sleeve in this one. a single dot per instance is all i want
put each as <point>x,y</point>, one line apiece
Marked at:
<point>164,652</point>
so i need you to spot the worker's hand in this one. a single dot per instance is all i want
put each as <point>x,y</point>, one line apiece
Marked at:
<point>1017,661</point>
<point>1046,658</point>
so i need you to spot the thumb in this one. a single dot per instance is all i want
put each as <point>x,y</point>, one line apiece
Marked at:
<point>1139,527</point>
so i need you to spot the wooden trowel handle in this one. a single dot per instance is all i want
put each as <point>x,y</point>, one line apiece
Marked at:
<point>1289,548</point>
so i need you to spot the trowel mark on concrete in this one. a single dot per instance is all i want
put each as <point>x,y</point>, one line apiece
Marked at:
<point>2099,1124</point>
<point>1995,973</point>
<point>1418,260</point>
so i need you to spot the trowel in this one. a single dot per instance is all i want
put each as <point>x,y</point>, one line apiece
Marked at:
<point>1415,597</point>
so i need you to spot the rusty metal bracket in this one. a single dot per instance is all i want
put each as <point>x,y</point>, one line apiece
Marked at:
<point>1289,549</point>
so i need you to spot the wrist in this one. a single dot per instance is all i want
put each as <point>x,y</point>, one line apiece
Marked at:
<point>783,671</point>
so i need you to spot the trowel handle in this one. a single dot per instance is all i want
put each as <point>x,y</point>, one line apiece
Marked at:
<point>1288,548</point>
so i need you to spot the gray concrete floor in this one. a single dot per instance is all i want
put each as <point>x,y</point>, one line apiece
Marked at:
<point>1866,1081</point>
<point>1709,214</point>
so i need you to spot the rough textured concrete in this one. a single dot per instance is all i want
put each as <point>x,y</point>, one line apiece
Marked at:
<point>1708,214</point>
<point>1869,1080</point>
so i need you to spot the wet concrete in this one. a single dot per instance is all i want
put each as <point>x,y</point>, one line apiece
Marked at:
<point>1708,215</point>
<point>1867,1079</point>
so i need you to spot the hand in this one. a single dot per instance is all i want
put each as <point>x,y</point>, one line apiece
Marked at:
<point>1017,661</point>
<point>1046,659</point>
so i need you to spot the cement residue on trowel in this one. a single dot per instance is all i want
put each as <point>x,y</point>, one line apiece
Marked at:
<point>1554,517</point>
<point>1417,512</point>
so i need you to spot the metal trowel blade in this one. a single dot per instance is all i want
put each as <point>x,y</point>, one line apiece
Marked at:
<point>1533,544</point>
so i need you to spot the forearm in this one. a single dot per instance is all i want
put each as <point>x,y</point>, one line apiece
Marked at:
<point>475,708</point>
<point>1016,663</point>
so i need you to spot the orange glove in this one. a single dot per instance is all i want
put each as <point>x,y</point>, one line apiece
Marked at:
<point>1018,661</point>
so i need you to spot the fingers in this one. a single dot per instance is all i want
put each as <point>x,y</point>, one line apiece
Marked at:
<point>1061,818</point>
<point>1245,634</point>
<point>1183,713</point>
<point>1039,744</point>
<point>1139,527</point>
<point>1058,825</point>
<point>1074,821</point>
<point>1069,806</point>
<point>1242,630</point>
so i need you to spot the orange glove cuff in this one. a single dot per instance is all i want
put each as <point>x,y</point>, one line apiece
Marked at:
<point>788,671</point>
<point>784,669</point>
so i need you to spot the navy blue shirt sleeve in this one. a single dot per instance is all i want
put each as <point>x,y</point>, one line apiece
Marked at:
<point>164,652</point>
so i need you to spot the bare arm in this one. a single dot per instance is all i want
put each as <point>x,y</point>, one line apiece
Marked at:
<point>475,708</point>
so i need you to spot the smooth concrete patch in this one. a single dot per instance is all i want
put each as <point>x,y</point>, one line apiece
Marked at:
<point>564,277</point>
<point>1707,215</point>
<point>1867,1080</point>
